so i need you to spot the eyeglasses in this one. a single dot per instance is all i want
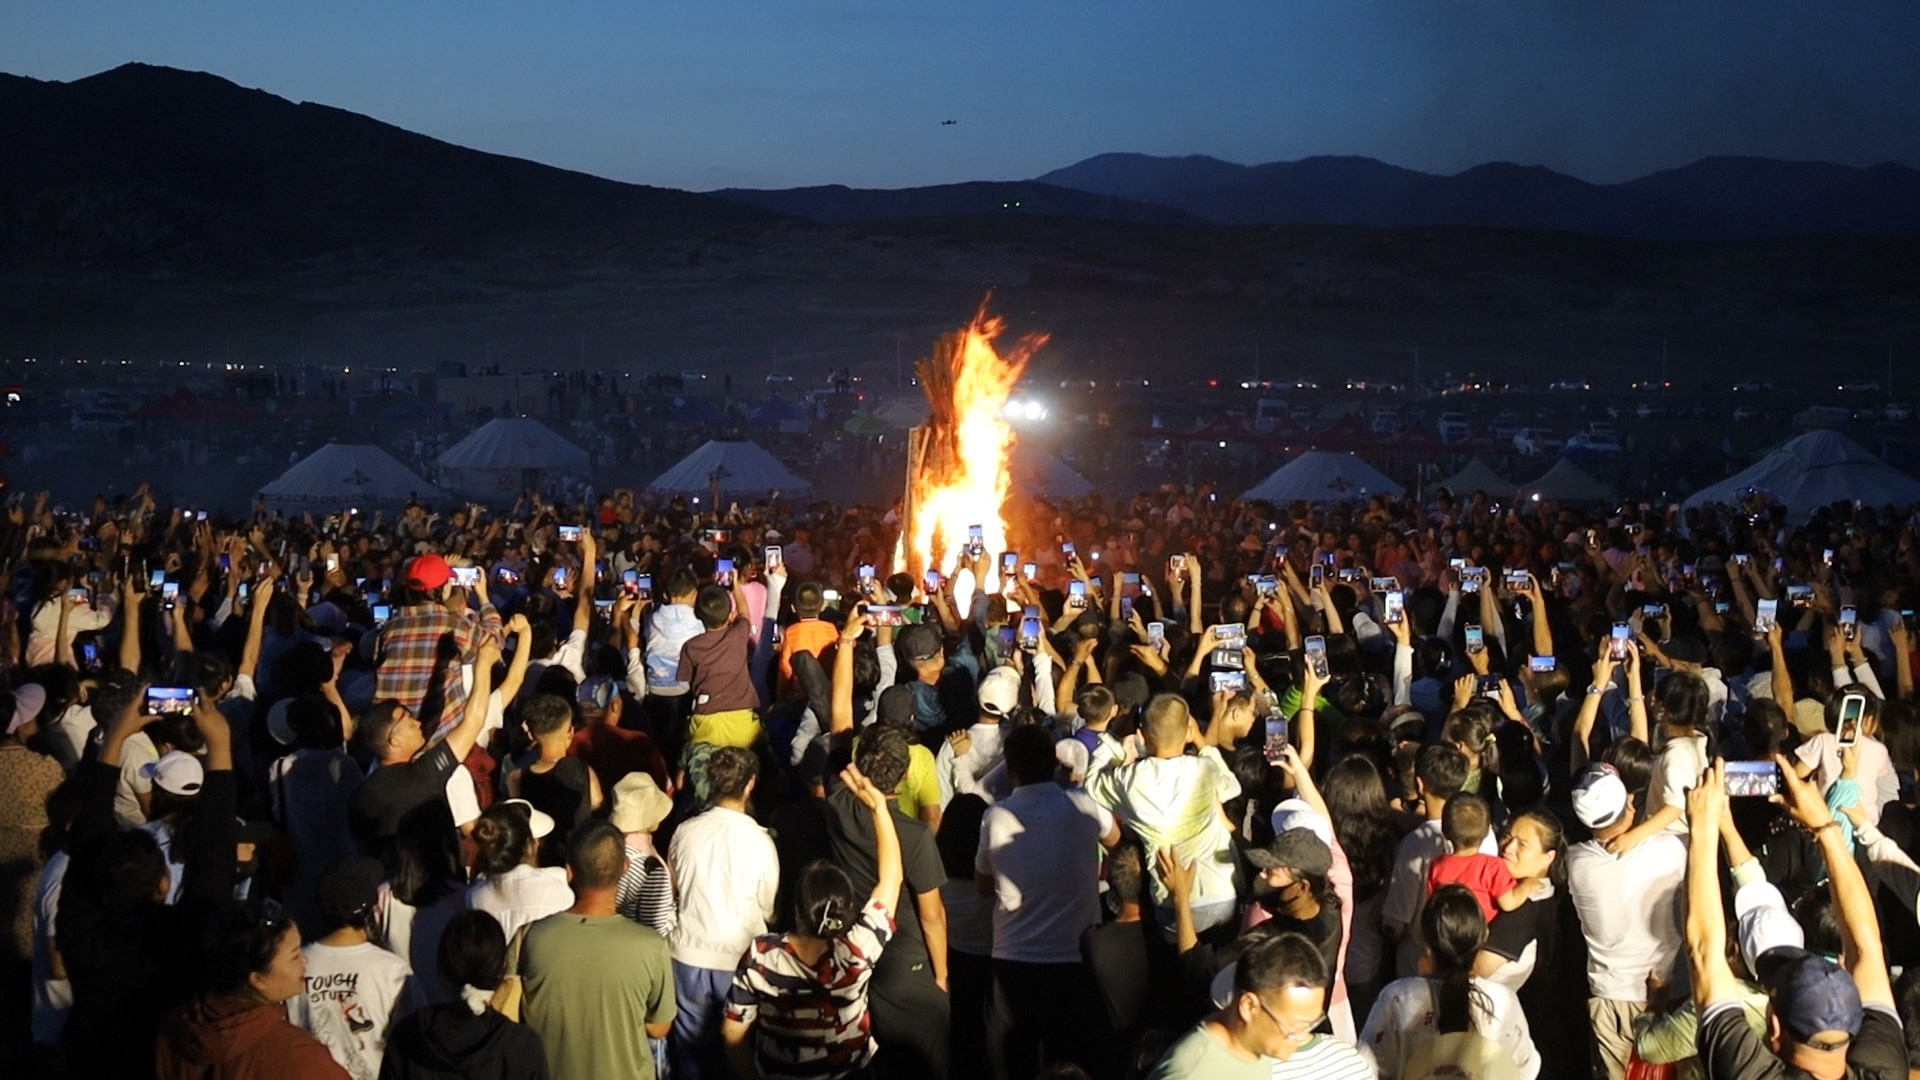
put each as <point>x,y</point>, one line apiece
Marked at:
<point>1287,1033</point>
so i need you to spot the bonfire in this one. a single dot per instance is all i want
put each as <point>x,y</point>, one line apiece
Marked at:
<point>958,462</point>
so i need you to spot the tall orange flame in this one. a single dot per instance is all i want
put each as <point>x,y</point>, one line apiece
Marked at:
<point>960,475</point>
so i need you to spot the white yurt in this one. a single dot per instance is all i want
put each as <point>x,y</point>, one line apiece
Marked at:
<point>1477,476</point>
<point>1323,476</point>
<point>741,469</point>
<point>1812,471</point>
<point>347,475</point>
<point>1567,482</point>
<point>1038,473</point>
<point>508,456</point>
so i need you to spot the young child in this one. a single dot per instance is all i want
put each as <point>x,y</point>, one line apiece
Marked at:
<point>354,989</point>
<point>1818,759</point>
<point>1465,822</point>
<point>718,670</point>
<point>809,634</point>
<point>556,783</point>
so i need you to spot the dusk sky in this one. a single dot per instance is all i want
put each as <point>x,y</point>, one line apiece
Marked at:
<point>775,93</point>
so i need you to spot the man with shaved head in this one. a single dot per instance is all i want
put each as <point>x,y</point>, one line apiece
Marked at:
<point>1172,799</point>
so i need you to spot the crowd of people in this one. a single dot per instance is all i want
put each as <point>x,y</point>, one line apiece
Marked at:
<point>1182,786</point>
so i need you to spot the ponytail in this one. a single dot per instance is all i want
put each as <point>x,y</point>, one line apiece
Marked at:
<point>1455,930</point>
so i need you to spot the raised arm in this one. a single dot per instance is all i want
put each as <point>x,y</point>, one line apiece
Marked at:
<point>589,576</point>
<point>1861,951</point>
<point>1706,923</point>
<point>1637,725</point>
<point>479,697</point>
<point>1590,709</point>
<point>842,710</point>
<point>888,867</point>
<point>516,675</point>
<point>1542,629</point>
<point>130,630</point>
<point>256,630</point>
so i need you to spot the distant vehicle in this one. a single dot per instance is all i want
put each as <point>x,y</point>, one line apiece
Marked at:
<point>1535,442</point>
<point>1387,423</point>
<point>1266,410</point>
<point>1454,427</point>
<point>1753,388</point>
<point>1603,430</point>
<point>1745,413</point>
<point>1593,446</point>
<point>100,421</point>
<point>1644,411</point>
<point>1570,386</point>
<point>1860,388</point>
<point>693,376</point>
<point>1899,411</point>
<point>779,378</point>
<point>1133,384</point>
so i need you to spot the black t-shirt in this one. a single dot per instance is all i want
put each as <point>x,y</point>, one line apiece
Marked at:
<point>1533,925</point>
<point>850,838</point>
<point>409,798</point>
<point>1730,1050</point>
<point>1122,961</point>
<point>1323,930</point>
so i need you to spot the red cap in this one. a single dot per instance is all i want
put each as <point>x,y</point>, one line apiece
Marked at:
<point>428,572</point>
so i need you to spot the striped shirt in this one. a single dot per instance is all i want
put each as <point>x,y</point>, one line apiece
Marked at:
<point>812,1019</point>
<point>408,653</point>
<point>645,892</point>
<point>1325,1058</point>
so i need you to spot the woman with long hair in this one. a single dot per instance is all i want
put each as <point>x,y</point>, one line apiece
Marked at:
<point>799,1001</point>
<point>1683,747</point>
<point>1448,1015</point>
<point>1364,822</point>
<point>516,890</point>
<point>239,1026</point>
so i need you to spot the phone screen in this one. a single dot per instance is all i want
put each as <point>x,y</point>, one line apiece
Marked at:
<point>381,613</point>
<point>1157,634</point>
<point>776,559</point>
<point>1747,779</point>
<point>886,615</point>
<point>1226,680</point>
<point>932,581</point>
<point>1316,653</point>
<point>1541,663</point>
<point>466,576</point>
<point>164,700</point>
<point>1030,571</point>
<point>1276,744</point>
<point>1076,594</point>
<point>1622,638</point>
<point>723,572</point>
<point>1030,632</point>
<point>1395,607</point>
<point>1476,638</point>
<point>1766,616</point>
<point>569,533</point>
<point>156,579</point>
<point>1853,708</point>
<point>1009,562</point>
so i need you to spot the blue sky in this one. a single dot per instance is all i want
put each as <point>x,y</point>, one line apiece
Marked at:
<point>785,92</point>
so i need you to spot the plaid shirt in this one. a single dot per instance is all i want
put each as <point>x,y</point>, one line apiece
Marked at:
<point>408,653</point>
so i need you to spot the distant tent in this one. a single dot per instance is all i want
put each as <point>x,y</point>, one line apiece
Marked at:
<point>865,423</point>
<point>695,412</point>
<point>347,474</point>
<point>739,468</point>
<point>780,415</point>
<point>1038,473</point>
<point>1815,470</point>
<point>1477,476</point>
<point>1567,482</point>
<point>904,412</point>
<point>508,456</point>
<point>1322,476</point>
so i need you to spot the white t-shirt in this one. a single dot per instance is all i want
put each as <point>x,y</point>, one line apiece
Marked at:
<point>1176,802</point>
<point>1879,785</point>
<point>522,895</point>
<point>1041,846</point>
<point>67,736</point>
<point>1407,1014</point>
<point>1676,771</point>
<point>52,998</point>
<point>354,994</point>
<point>1632,909</point>
<point>135,754</point>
